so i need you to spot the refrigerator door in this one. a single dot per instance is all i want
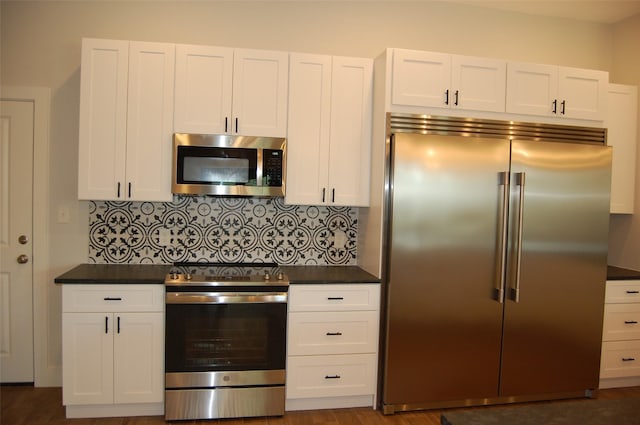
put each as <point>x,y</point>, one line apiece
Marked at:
<point>444,322</point>
<point>553,322</point>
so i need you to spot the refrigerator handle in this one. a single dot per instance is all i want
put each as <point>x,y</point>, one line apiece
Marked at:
<point>519,181</point>
<point>503,182</point>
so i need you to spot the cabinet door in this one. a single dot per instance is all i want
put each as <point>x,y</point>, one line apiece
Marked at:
<point>582,93</point>
<point>260,81</point>
<point>203,89</point>
<point>621,123</point>
<point>103,118</point>
<point>308,128</point>
<point>139,358</point>
<point>531,88</point>
<point>420,78</point>
<point>350,149</point>
<point>87,358</point>
<point>149,122</point>
<point>478,84</point>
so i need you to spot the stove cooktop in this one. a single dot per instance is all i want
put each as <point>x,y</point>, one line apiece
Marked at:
<point>226,274</point>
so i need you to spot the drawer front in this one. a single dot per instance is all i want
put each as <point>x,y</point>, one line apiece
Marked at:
<point>621,322</point>
<point>330,376</point>
<point>334,297</point>
<point>626,291</point>
<point>346,332</point>
<point>620,359</point>
<point>112,298</point>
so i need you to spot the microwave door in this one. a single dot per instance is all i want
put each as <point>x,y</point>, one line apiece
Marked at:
<point>218,171</point>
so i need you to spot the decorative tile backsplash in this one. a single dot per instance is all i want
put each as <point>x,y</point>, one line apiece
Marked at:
<point>221,230</point>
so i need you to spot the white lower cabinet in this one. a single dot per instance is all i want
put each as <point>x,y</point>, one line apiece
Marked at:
<point>620,362</point>
<point>112,350</point>
<point>332,345</point>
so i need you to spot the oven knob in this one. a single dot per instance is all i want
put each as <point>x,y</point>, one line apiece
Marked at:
<point>188,276</point>
<point>280,276</point>
<point>267,276</point>
<point>174,276</point>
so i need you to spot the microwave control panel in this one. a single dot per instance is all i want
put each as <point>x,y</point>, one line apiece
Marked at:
<point>272,167</point>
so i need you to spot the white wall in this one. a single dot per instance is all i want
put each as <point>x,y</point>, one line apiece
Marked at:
<point>624,236</point>
<point>40,46</point>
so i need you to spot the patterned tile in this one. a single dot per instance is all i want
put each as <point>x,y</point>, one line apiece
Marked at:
<point>221,230</point>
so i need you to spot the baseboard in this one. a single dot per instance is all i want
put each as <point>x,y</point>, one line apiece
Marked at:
<point>329,403</point>
<point>632,381</point>
<point>114,410</point>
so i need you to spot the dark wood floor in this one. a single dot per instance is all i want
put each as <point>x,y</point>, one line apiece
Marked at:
<point>25,405</point>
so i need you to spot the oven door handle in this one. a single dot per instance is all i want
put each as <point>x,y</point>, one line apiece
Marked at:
<point>225,297</point>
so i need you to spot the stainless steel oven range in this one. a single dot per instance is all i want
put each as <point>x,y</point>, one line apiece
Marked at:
<point>225,341</point>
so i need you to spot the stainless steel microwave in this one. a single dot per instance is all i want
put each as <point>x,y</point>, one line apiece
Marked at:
<point>208,164</point>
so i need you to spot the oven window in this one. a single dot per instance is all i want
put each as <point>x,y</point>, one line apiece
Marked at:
<point>219,337</point>
<point>212,165</point>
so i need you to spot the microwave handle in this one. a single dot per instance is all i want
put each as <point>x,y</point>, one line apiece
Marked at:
<point>226,124</point>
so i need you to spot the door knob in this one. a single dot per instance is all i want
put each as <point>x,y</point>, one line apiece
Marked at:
<point>23,239</point>
<point>23,259</point>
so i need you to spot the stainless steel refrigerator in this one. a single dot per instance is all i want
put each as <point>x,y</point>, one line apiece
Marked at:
<point>496,261</point>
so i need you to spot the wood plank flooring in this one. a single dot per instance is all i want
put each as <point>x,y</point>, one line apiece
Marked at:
<point>26,405</point>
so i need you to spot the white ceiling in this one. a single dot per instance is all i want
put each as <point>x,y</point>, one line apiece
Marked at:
<point>602,11</point>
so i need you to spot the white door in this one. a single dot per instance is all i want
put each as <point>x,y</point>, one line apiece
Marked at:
<point>16,247</point>
<point>421,79</point>
<point>204,76</point>
<point>309,128</point>
<point>350,150</point>
<point>532,89</point>
<point>260,92</point>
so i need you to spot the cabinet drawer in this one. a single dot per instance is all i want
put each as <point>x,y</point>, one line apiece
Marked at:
<point>346,332</point>
<point>334,297</point>
<point>621,322</point>
<point>620,359</point>
<point>330,376</point>
<point>626,291</point>
<point>112,298</point>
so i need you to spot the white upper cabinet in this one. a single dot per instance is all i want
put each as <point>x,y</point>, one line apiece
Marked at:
<point>203,89</point>
<point>329,131</point>
<point>549,90</point>
<point>126,120</point>
<point>231,91</point>
<point>438,80</point>
<point>621,123</point>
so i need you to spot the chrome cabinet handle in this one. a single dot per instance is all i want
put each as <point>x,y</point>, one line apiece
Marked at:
<point>515,291</point>
<point>23,259</point>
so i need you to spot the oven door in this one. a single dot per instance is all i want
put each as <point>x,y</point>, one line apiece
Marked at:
<point>219,332</point>
<point>225,354</point>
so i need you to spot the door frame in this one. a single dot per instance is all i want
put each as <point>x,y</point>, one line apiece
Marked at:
<point>46,372</point>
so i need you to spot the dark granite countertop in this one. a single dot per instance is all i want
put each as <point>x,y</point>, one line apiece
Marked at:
<point>328,274</point>
<point>115,273</point>
<point>619,273</point>
<point>155,274</point>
